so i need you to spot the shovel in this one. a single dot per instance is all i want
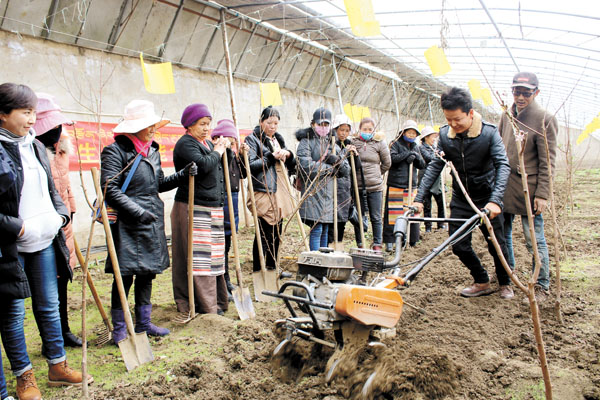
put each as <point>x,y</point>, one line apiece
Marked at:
<point>358,200</point>
<point>184,318</point>
<point>106,334</point>
<point>135,348</point>
<point>296,213</point>
<point>337,246</point>
<point>241,294</point>
<point>263,279</point>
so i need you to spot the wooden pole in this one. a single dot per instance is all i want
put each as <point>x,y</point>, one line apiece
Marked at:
<point>352,163</point>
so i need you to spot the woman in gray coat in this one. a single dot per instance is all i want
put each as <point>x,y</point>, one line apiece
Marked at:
<point>316,167</point>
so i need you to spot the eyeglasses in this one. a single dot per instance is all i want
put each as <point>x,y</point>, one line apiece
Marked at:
<point>525,93</point>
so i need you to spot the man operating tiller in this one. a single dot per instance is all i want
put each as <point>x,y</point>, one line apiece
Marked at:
<point>478,154</point>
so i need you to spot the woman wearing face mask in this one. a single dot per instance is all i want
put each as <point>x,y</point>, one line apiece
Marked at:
<point>210,290</point>
<point>266,148</point>
<point>375,159</point>
<point>317,166</point>
<point>139,231</point>
<point>428,142</point>
<point>404,152</point>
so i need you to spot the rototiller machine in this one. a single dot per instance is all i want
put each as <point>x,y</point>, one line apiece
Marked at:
<point>332,292</point>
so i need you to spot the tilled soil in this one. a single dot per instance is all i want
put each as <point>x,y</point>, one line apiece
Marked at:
<point>479,348</point>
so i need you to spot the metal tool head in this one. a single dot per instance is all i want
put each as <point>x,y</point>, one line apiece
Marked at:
<point>104,336</point>
<point>136,350</point>
<point>184,317</point>
<point>243,303</point>
<point>264,281</point>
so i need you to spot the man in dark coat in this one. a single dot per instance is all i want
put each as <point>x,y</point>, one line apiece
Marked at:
<point>477,152</point>
<point>535,122</point>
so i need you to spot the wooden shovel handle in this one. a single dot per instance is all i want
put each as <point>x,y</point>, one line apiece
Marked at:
<point>261,256</point>
<point>113,254</point>
<point>190,246</point>
<point>238,269</point>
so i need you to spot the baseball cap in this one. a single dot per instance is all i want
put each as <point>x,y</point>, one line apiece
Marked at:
<point>321,115</point>
<point>525,79</point>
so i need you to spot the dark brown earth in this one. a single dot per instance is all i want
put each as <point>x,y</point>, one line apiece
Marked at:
<point>480,348</point>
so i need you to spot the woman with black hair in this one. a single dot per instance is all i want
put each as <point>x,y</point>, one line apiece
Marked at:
<point>266,148</point>
<point>32,245</point>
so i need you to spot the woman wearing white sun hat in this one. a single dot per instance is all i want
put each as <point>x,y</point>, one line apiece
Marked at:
<point>139,230</point>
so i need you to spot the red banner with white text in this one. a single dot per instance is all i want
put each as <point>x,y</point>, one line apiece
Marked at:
<point>89,139</point>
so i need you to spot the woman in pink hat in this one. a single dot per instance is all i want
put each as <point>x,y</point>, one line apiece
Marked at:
<point>226,129</point>
<point>49,130</point>
<point>139,230</point>
<point>210,293</point>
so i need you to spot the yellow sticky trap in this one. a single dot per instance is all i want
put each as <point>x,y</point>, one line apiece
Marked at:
<point>420,127</point>
<point>269,94</point>
<point>365,112</point>
<point>356,112</point>
<point>158,78</point>
<point>475,89</point>
<point>589,128</point>
<point>437,61</point>
<point>348,112</point>
<point>486,95</point>
<point>362,18</point>
<point>436,128</point>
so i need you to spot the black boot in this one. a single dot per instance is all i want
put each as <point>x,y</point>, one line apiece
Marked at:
<point>71,340</point>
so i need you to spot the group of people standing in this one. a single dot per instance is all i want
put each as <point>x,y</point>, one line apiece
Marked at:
<point>37,207</point>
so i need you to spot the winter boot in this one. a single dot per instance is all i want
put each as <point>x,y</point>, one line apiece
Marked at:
<point>62,375</point>
<point>27,388</point>
<point>143,324</point>
<point>119,326</point>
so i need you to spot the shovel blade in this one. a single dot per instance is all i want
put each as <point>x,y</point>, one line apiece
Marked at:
<point>243,303</point>
<point>268,283</point>
<point>136,350</point>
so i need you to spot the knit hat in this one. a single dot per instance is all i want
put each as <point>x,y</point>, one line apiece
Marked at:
<point>48,114</point>
<point>410,124</point>
<point>226,128</point>
<point>193,113</point>
<point>138,115</point>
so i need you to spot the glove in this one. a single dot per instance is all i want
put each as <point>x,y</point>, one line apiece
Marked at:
<point>147,217</point>
<point>411,158</point>
<point>332,159</point>
<point>191,169</point>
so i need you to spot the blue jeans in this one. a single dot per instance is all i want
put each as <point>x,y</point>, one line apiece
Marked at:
<point>318,236</point>
<point>12,315</point>
<point>538,224</point>
<point>40,268</point>
<point>374,200</point>
<point>3,391</point>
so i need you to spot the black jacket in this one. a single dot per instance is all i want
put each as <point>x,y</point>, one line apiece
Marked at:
<point>209,185</point>
<point>480,160</point>
<point>262,162</point>
<point>398,174</point>
<point>141,248</point>
<point>13,281</point>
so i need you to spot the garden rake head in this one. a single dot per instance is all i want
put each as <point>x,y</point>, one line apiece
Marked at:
<point>184,317</point>
<point>104,335</point>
